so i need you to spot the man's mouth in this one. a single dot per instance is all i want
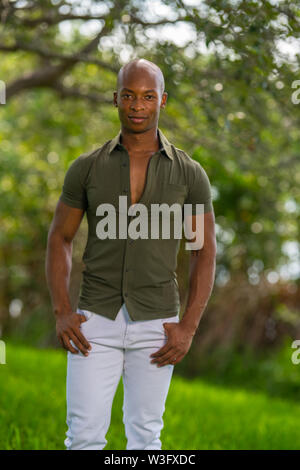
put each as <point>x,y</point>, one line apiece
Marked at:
<point>137,119</point>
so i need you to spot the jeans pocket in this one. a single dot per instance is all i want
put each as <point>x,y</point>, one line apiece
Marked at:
<point>88,315</point>
<point>174,319</point>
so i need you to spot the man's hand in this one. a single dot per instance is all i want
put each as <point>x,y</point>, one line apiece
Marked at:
<point>68,328</point>
<point>179,342</point>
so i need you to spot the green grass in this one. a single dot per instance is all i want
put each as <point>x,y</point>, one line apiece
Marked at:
<point>199,414</point>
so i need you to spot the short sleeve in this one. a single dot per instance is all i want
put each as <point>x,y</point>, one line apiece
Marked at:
<point>73,191</point>
<point>200,191</point>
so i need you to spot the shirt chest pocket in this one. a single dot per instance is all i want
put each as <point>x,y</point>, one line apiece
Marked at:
<point>171,194</point>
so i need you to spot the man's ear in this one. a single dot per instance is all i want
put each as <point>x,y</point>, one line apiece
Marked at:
<point>115,98</point>
<point>164,99</point>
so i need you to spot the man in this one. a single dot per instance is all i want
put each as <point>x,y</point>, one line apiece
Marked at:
<point>127,321</point>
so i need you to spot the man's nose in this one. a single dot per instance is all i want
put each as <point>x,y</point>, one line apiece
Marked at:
<point>137,104</point>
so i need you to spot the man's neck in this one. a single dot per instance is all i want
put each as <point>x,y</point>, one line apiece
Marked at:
<point>140,142</point>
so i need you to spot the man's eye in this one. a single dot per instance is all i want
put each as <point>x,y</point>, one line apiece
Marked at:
<point>149,96</point>
<point>123,96</point>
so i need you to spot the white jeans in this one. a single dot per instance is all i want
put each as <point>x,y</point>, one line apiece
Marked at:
<point>120,347</point>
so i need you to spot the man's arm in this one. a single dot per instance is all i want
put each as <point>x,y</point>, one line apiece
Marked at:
<point>63,228</point>
<point>202,273</point>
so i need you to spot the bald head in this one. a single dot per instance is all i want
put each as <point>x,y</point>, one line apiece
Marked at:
<point>140,66</point>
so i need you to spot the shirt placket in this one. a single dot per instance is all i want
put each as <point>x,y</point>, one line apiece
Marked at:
<point>129,243</point>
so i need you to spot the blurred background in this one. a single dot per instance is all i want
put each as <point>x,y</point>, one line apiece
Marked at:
<point>232,75</point>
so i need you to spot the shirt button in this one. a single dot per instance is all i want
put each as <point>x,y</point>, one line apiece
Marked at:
<point>126,295</point>
<point>125,191</point>
<point>124,164</point>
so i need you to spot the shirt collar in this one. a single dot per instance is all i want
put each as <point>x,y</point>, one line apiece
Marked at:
<point>165,144</point>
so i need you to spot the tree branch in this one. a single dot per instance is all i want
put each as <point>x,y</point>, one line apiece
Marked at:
<point>67,92</point>
<point>79,57</point>
<point>48,76</point>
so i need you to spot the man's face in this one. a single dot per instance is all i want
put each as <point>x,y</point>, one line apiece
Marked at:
<point>139,99</point>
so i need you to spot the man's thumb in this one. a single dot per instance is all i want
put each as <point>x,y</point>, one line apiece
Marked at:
<point>82,318</point>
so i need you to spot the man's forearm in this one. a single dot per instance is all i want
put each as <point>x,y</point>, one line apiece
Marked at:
<point>58,270</point>
<point>201,281</point>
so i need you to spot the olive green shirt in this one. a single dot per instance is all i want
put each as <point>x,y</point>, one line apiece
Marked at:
<point>141,271</point>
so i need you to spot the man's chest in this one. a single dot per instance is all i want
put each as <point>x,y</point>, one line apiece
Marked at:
<point>138,172</point>
<point>149,180</point>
